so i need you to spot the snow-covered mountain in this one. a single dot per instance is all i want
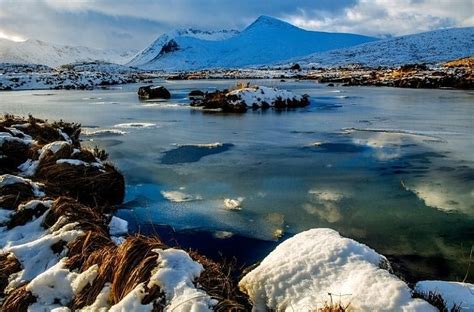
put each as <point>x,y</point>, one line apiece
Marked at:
<point>430,47</point>
<point>155,48</point>
<point>39,52</point>
<point>266,41</point>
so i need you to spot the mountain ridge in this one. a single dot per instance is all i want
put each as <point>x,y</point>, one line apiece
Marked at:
<point>428,47</point>
<point>34,51</point>
<point>265,41</point>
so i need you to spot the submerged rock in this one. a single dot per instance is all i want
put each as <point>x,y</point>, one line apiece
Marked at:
<point>153,92</point>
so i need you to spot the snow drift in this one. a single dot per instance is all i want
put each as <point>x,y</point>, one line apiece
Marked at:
<point>318,267</point>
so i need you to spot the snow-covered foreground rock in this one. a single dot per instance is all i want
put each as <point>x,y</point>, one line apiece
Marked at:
<point>319,268</point>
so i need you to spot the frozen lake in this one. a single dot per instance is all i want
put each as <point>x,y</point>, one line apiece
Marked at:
<point>392,168</point>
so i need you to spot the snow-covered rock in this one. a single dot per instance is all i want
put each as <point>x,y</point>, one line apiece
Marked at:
<point>261,95</point>
<point>265,41</point>
<point>317,267</point>
<point>430,47</point>
<point>454,293</point>
<point>255,97</point>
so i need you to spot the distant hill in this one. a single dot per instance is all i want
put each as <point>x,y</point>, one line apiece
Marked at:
<point>44,53</point>
<point>266,41</point>
<point>430,47</point>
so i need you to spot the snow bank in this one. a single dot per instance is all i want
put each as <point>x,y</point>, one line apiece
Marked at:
<point>32,246</point>
<point>8,179</point>
<point>133,301</point>
<point>7,137</point>
<point>175,275</point>
<point>77,162</point>
<point>301,272</point>
<point>56,286</point>
<point>454,293</point>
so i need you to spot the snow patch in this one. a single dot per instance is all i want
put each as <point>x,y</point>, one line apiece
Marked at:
<point>8,179</point>
<point>233,204</point>
<point>454,293</point>
<point>118,227</point>
<point>179,197</point>
<point>56,286</point>
<point>300,273</point>
<point>135,125</point>
<point>175,275</point>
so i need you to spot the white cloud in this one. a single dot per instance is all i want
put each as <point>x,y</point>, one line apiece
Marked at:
<point>387,17</point>
<point>135,23</point>
<point>11,36</point>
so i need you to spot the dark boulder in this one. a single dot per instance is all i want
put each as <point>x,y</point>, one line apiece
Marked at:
<point>153,92</point>
<point>196,94</point>
<point>295,67</point>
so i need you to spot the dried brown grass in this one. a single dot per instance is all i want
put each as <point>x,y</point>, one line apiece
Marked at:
<point>14,154</point>
<point>86,217</point>
<point>14,194</point>
<point>89,185</point>
<point>21,217</point>
<point>18,300</point>
<point>8,265</point>
<point>218,281</point>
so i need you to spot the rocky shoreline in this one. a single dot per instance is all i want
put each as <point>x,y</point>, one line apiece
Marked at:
<point>61,248</point>
<point>456,74</point>
<point>83,76</point>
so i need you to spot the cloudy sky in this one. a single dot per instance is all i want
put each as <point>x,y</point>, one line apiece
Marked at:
<point>135,23</point>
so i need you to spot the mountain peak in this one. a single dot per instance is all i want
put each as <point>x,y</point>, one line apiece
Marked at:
<point>265,21</point>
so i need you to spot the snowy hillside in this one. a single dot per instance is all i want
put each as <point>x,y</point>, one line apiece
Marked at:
<point>265,41</point>
<point>44,53</point>
<point>155,48</point>
<point>430,47</point>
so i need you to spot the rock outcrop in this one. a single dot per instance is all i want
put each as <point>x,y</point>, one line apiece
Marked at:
<point>153,92</point>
